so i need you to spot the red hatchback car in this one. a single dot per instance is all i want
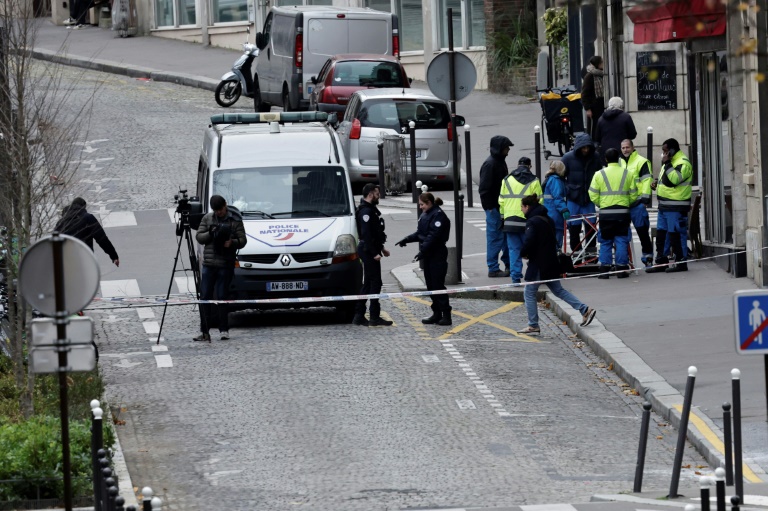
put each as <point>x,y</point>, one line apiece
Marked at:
<point>341,75</point>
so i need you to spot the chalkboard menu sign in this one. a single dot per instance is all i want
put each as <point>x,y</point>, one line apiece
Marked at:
<point>656,80</point>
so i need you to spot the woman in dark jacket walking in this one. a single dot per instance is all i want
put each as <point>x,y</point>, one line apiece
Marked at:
<point>593,93</point>
<point>433,232</point>
<point>540,247</point>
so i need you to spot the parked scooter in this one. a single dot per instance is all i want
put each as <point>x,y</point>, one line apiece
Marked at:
<point>239,81</point>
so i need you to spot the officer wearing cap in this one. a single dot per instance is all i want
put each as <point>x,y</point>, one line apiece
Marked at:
<point>518,184</point>
<point>370,226</point>
<point>492,173</point>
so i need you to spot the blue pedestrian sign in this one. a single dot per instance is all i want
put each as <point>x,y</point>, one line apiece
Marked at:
<point>750,315</point>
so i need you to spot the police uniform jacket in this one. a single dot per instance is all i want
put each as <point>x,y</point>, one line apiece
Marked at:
<point>370,227</point>
<point>432,233</point>
<point>641,172</point>
<point>214,254</point>
<point>518,184</point>
<point>674,189</point>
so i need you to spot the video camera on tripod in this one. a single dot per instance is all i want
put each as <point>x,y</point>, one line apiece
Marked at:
<point>189,209</point>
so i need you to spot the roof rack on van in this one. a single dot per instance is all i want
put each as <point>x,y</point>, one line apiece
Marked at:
<point>269,117</point>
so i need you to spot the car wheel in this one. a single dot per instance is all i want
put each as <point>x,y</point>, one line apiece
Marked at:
<point>258,104</point>
<point>286,101</point>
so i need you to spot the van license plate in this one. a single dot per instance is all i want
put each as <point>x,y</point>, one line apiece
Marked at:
<point>299,285</point>
<point>407,153</point>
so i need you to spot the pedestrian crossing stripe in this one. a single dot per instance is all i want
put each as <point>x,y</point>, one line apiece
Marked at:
<point>118,219</point>
<point>185,284</point>
<point>117,288</point>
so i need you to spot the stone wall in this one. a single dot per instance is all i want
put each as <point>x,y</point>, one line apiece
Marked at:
<point>520,81</point>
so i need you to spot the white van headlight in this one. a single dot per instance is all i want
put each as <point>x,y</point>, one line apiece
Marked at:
<point>345,245</point>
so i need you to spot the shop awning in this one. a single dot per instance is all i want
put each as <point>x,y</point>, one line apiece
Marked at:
<point>676,20</point>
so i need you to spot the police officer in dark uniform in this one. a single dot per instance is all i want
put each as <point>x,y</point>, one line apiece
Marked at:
<point>432,234</point>
<point>370,227</point>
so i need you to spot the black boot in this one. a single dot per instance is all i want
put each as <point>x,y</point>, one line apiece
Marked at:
<point>446,319</point>
<point>604,269</point>
<point>434,318</point>
<point>625,272</point>
<point>656,268</point>
<point>360,320</point>
<point>574,233</point>
<point>681,266</point>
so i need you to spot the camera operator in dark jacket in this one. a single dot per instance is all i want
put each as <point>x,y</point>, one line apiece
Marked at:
<point>370,248</point>
<point>77,222</point>
<point>492,173</point>
<point>432,233</point>
<point>580,166</point>
<point>222,233</point>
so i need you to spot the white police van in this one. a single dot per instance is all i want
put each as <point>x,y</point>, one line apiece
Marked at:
<point>286,174</point>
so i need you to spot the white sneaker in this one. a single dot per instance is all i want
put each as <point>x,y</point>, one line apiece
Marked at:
<point>224,336</point>
<point>70,21</point>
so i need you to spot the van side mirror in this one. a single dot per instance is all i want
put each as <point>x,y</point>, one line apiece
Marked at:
<point>410,80</point>
<point>313,80</point>
<point>459,120</point>
<point>261,43</point>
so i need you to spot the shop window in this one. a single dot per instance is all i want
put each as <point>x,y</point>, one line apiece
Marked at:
<point>468,24</point>
<point>167,12</point>
<point>409,15</point>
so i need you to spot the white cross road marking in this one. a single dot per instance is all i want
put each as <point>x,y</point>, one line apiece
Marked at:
<point>185,284</point>
<point>116,288</point>
<point>163,361</point>
<point>466,404</point>
<point>159,347</point>
<point>118,219</point>
<point>549,507</point>
<point>145,313</point>
<point>151,327</point>
<point>113,319</point>
<point>430,359</point>
<point>88,145</point>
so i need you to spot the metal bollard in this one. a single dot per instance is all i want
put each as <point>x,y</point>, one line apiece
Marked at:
<point>640,466</point>
<point>106,474</point>
<point>735,501</point>
<point>131,508</point>
<point>119,503</point>
<point>146,498</point>
<point>727,441</point>
<point>156,503</point>
<point>537,150</point>
<point>720,488</point>
<point>97,441</point>
<point>705,483</point>
<point>649,152</point>
<point>382,177</point>
<point>112,491</point>
<point>459,236</point>
<point>421,187</point>
<point>737,452</point>
<point>414,187</point>
<point>468,148</point>
<point>682,432</point>
<point>102,489</point>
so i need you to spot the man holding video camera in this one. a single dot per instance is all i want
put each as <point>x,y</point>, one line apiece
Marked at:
<point>222,233</point>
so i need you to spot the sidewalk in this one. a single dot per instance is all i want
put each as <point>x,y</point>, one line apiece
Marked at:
<point>651,327</point>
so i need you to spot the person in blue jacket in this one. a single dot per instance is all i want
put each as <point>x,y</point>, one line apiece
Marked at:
<point>580,166</point>
<point>554,199</point>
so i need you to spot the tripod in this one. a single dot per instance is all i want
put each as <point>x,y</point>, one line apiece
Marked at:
<point>183,232</point>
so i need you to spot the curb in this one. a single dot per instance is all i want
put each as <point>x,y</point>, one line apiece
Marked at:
<point>124,483</point>
<point>118,68</point>
<point>651,385</point>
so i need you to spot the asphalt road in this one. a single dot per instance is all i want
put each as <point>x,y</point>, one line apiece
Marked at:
<point>300,411</point>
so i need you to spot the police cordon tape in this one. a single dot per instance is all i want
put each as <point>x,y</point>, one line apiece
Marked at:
<point>123,302</point>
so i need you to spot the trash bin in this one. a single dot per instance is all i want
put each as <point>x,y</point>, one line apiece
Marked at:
<point>395,164</point>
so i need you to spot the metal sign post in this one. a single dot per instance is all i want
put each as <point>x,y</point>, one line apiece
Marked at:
<point>750,315</point>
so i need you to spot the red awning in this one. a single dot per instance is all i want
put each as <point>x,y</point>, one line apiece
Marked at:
<point>658,21</point>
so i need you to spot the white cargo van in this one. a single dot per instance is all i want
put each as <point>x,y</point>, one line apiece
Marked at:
<point>286,174</point>
<point>297,40</point>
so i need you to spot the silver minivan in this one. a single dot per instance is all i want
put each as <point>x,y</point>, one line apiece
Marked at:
<point>298,40</point>
<point>373,112</point>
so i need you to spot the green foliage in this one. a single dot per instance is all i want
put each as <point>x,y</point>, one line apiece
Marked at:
<point>516,49</point>
<point>556,26</point>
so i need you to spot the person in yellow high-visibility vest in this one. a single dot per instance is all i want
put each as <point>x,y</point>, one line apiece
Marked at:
<point>518,184</point>
<point>641,171</point>
<point>611,190</point>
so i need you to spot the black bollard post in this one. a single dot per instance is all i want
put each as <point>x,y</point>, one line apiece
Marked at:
<point>639,467</point>
<point>97,441</point>
<point>468,148</point>
<point>112,492</point>
<point>382,177</point>
<point>119,503</point>
<point>649,152</point>
<point>131,508</point>
<point>738,479</point>
<point>705,482</point>
<point>537,150</point>
<point>459,236</point>
<point>414,189</point>
<point>720,488</point>
<point>146,498</point>
<point>106,473</point>
<point>102,489</point>
<point>682,432</point>
<point>735,501</point>
<point>727,442</point>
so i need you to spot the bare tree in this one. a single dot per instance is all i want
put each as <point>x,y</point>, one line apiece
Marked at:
<point>39,123</point>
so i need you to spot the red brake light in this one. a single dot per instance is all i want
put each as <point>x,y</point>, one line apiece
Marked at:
<point>450,132</point>
<point>565,119</point>
<point>396,46</point>
<point>298,57</point>
<point>354,133</point>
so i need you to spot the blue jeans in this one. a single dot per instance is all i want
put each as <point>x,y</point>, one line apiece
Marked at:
<point>606,249</point>
<point>674,222</point>
<point>494,240</point>
<point>515,244</point>
<point>558,290</point>
<point>215,280</point>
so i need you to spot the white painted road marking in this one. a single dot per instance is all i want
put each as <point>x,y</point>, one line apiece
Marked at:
<point>115,288</point>
<point>145,313</point>
<point>185,284</point>
<point>151,327</point>
<point>164,361</point>
<point>118,219</point>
